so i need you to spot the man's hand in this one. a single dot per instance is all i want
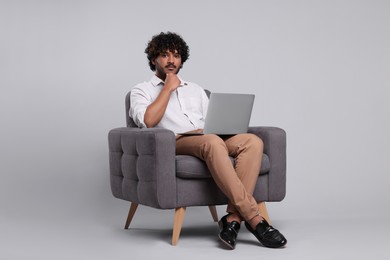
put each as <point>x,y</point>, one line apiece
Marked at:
<point>172,82</point>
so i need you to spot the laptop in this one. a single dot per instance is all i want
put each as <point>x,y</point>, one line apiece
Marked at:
<point>227,114</point>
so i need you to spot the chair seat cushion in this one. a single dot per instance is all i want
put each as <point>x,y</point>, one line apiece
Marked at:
<point>190,167</point>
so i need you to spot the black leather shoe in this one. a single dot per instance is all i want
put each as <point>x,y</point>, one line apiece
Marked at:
<point>229,231</point>
<point>267,235</point>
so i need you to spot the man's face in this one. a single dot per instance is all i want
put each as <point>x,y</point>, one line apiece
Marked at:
<point>167,62</point>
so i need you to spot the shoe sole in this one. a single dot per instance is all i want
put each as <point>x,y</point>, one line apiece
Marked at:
<point>225,243</point>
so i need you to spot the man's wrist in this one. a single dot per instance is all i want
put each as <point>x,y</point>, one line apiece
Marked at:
<point>170,89</point>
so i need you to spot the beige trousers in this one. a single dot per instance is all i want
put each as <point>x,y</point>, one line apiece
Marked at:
<point>238,182</point>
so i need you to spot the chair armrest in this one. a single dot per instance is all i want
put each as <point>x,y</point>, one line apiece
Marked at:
<point>274,139</point>
<point>142,166</point>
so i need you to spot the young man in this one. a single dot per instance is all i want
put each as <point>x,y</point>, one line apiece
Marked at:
<point>172,103</point>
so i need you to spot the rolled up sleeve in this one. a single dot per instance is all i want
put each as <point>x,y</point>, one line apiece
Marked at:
<point>139,101</point>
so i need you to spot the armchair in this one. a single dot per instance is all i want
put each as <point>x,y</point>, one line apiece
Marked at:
<point>144,169</point>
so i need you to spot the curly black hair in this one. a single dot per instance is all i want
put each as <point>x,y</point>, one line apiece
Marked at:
<point>163,42</point>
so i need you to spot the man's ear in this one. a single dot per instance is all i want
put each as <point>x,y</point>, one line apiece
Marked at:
<point>153,61</point>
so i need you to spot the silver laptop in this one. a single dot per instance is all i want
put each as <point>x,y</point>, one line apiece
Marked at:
<point>227,114</point>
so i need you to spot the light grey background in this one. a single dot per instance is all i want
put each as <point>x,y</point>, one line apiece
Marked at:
<point>319,69</point>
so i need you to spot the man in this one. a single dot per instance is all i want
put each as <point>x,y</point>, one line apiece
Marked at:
<point>169,102</point>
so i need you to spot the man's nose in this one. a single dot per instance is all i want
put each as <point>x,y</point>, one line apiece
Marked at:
<point>170,58</point>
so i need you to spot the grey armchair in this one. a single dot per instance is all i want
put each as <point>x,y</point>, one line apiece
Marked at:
<point>144,169</point>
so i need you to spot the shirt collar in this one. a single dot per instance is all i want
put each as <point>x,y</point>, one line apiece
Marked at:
<point>157,81</point>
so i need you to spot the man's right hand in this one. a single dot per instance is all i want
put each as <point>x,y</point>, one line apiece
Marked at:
<point>172,81</point>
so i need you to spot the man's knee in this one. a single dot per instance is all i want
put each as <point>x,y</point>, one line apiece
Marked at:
<point>255,142</point>
<point>213,142</point>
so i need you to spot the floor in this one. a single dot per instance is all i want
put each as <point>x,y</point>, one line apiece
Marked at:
<point>103,237</point>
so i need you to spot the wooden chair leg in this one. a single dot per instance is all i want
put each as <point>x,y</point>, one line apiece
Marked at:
<point>177,224</point>
<point>263,211</point>
<point>214,213</point>
<point>133,208</point>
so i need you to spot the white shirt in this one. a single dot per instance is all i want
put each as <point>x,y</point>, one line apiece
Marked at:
<point>186,109</point>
